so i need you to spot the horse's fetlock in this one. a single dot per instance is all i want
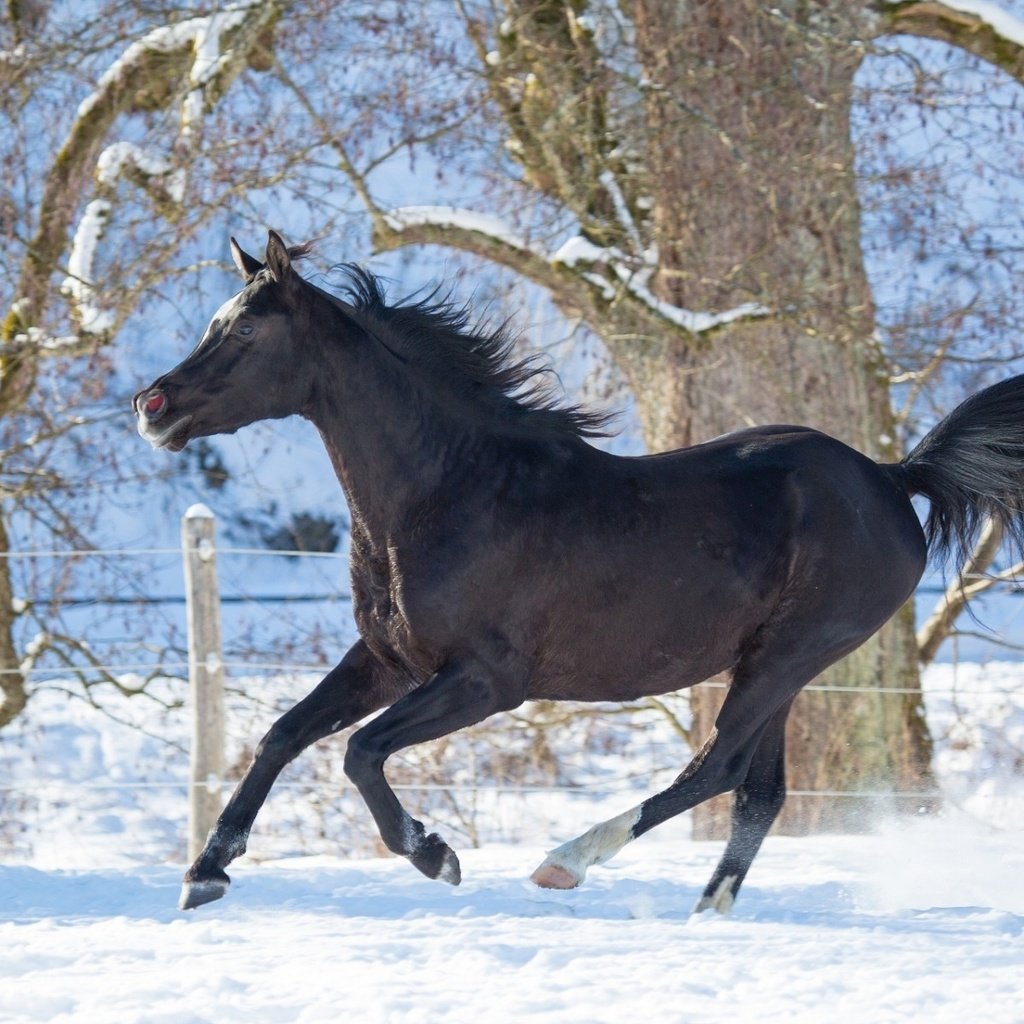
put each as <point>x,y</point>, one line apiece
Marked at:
<point>234,844</point>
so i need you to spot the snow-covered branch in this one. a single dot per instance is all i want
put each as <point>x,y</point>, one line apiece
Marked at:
<point>92,318</point>
<point>201,35</point>
<point>127,159</point>
<point>210,59</point>
<point>611,186</point>
<point>588,259</point>
<point>981,27</point>
<point>996,17</point>
<point>578,251</point>
<point>454,217</point>
<point>123,157</point>
<point>198,57</point>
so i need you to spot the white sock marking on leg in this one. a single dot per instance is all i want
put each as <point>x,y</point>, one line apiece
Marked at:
<point>595,846</point>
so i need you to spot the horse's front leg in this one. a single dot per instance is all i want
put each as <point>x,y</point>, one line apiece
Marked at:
<point>358,686</point>
<point>462,693</point>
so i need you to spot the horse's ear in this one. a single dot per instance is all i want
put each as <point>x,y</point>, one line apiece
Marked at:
<point>248,266</point>
<point>278,259</point>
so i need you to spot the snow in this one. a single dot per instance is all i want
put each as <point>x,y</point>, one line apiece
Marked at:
<point>922,920</point>
<point>456,217</point>
<point>208,61</point>
<point>1001,21</point>
<point>202,33</point>
<point>694,321</point>
<point>164,39</point>
<point>116,157</point>
<point>577,250</point>
<point>93,319</point>
<point>611,186</point>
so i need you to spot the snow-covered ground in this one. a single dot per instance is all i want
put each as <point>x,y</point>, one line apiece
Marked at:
<point>921,921</point>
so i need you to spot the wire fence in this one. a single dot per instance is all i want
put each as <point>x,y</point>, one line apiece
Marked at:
<point>215,780</point>
<point>1007,587</point>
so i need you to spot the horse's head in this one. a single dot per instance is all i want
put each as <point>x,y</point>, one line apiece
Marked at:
<point>247,365</point>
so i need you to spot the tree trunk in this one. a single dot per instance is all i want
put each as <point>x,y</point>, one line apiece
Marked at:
<point>712,171</point>
<point>12,679</point>
<point>751,166</point>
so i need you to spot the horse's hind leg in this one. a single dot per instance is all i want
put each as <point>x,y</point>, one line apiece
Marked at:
<point>721,764</point>
<point>756,804</point>
<point>351,691</point>
<point>764,685</point>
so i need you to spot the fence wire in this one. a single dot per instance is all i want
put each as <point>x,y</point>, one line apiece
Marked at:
<point>169,668</point>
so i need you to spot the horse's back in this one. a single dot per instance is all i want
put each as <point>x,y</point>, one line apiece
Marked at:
<point>827,502</point>
<point>673,562</point>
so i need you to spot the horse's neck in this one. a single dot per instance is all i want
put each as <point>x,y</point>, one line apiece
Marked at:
<point>393,453</point>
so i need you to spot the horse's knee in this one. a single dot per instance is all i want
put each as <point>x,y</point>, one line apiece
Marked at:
<point>280,744</point>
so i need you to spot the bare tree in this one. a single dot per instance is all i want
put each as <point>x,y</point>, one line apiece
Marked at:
<point>89,173</point>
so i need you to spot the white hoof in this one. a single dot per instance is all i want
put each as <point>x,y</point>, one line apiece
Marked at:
<point>554,876</point>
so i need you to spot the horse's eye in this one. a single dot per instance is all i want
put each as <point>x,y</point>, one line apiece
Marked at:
<point>245,330</point>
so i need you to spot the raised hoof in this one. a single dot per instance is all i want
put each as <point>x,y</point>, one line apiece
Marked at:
<point>554,876</point>
<point>436,859</point>
<point>195,894</point>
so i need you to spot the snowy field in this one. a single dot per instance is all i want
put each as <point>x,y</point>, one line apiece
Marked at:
<point>923,921</point>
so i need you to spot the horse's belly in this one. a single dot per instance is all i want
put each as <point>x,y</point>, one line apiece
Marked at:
<point>624,675</point>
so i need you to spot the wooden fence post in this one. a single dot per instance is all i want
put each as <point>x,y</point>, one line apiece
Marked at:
<point>205,675</point>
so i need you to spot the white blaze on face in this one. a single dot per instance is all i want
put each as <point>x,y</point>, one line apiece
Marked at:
<point>223,314</point>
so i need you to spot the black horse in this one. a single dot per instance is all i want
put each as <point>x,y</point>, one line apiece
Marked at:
<point>497,557</point>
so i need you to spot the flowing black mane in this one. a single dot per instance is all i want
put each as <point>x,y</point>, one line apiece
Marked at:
<point>436,334</point>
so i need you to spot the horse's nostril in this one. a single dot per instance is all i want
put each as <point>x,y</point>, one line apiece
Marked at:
<point>154,405</point>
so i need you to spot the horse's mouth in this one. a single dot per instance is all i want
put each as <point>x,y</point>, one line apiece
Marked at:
<point>173,437</point>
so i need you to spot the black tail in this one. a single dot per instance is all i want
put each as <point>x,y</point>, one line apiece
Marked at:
<point>971,467</point>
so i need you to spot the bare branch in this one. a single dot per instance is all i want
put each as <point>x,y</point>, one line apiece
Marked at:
<point>970,582</point>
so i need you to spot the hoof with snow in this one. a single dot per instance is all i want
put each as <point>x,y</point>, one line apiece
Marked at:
<point>554,876</point>
<point>436,859</point>
<point>194,893</point>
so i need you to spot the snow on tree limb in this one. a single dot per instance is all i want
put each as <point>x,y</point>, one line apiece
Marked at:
<point>694,321</point>
<point>209,61</point>
<point>981,27</point>
<point>455,217</point>
<point>1004,24</point>
<point>611,186</point>
<point>194,53</point>
<point>577,252</point>
<point>201,34</point>
<point>92,318</point>
<point>116,159</point>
